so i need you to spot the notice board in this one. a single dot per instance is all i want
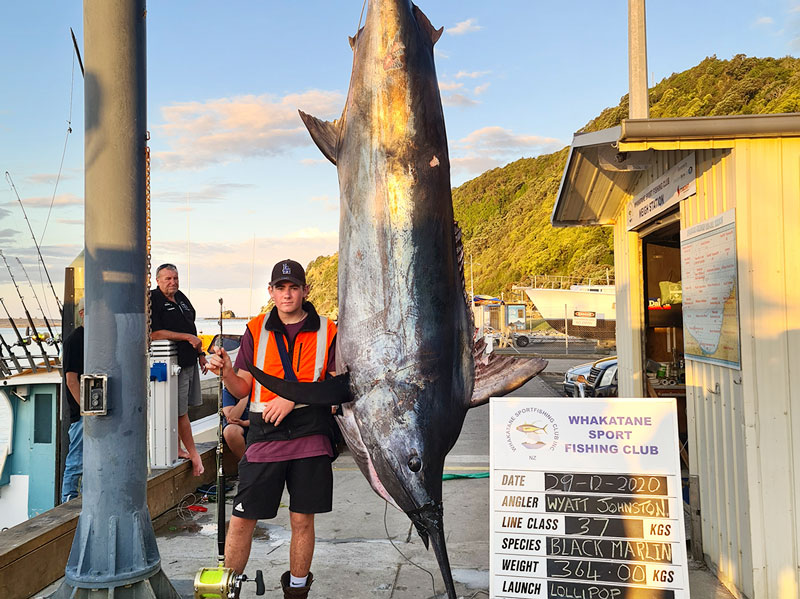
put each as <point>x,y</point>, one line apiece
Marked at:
<point>586,500</point>
<point>710,310</point>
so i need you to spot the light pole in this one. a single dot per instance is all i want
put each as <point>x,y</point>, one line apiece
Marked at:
<point>114,551</point>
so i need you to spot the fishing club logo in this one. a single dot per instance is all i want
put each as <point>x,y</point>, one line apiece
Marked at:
<point>531,429</point>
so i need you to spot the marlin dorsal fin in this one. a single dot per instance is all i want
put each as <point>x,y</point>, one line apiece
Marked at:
<point>425,23</point>
<point>324,133</point>
<point>353,39</point>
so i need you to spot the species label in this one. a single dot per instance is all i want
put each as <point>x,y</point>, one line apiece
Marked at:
<point>586,499</point>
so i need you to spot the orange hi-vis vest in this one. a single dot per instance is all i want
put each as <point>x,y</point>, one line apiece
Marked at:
<point>309,356</point>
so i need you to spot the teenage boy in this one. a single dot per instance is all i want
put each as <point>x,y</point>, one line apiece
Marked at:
<point>288,444</point>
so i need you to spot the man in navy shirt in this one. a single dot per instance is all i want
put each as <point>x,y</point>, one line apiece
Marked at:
<point>172,317</point>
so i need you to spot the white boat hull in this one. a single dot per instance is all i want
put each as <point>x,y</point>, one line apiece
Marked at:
<point>556,304</point>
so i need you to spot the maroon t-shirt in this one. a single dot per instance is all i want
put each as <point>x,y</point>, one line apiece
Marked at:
<point>291,449</point>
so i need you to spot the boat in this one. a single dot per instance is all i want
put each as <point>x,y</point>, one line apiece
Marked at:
<point>29,435</point>
<point>590,311</point>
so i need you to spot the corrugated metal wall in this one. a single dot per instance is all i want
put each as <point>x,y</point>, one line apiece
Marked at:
<point>767,183</point>
<point>715,402</point>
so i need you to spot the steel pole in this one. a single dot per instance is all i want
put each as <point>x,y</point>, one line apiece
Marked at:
<point>114,549</point>
<point>639,107</point>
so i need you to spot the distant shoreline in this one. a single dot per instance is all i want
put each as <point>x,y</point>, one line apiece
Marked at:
<point>37,322</point>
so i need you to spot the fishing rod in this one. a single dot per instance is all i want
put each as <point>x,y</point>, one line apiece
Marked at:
<point>28,316</point>
<point>20,340</point>
<point>222,581</point>
<point>77,51</point>
<point>6,371</point>
<point>53,337</point>
<point>38,251</point>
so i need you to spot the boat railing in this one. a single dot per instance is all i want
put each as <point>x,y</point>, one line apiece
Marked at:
<point>565,281</point>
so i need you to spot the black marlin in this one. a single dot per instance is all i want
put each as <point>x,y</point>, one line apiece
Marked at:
<point>405,330</point>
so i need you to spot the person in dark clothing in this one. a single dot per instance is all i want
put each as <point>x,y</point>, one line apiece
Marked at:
<point>287,445</point>
<point>172,317</point>
<point>237,422</point>
<point>73,369</point>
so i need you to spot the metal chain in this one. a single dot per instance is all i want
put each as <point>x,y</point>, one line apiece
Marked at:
<point>147,233</point>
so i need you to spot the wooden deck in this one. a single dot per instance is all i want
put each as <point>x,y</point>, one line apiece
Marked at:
<point>34,554</point>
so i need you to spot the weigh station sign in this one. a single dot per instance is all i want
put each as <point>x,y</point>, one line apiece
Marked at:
<point>586,500</point>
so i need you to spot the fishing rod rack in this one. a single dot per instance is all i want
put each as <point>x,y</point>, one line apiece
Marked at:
<point>13,363</point>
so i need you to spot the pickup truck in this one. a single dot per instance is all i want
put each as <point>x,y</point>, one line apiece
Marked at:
<point>600,382</point>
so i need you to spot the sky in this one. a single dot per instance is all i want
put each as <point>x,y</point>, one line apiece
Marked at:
<point>237,184</point>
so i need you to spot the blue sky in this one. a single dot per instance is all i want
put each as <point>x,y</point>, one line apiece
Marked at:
<point>233,167</point>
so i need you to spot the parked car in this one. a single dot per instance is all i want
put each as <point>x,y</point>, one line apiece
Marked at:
<point>602,379</point>
<point>572,375</point>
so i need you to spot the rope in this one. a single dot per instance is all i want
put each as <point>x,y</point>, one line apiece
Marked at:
<point>63,152</point>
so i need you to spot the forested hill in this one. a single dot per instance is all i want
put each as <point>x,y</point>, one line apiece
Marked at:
<point>505,212</point>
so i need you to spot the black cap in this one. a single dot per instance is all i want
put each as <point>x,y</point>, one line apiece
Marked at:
<point>288,270</point>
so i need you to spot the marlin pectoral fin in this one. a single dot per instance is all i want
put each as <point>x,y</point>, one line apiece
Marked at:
<point>328,392</point>
<point>425,23</point>
<point>497,375</point>
<point>324,133</point>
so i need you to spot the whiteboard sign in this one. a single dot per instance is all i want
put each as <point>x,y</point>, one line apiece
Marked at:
<point>709,277</point>
<point>586,499</point>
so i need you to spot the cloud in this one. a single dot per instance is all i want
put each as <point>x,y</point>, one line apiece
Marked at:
<point>473,164</point>
<point>458,100</point>
<point>70,221</point>
<point>46,178</point>
<point>764,21</point>
<point>490,147</point>
<point>447,86</point>
<point>498,139</point>
<point>214,192</point>
<point>6,234</point>
<point>471,74</point>
<point>328,204</point>
<point>794,9</point>
<point>60,201</point>
<point>4,213</point>
<point>463,27</point>
<point>226,129</point>
<point>223,270</point>
<point>314,161</point>
<point>481,88</point>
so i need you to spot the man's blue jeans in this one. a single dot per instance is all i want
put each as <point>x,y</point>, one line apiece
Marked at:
<point>73,469</point>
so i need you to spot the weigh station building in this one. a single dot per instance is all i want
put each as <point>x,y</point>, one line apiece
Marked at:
<point>706,218</point>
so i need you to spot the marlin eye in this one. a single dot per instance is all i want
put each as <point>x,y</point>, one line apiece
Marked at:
<point>414,464</point>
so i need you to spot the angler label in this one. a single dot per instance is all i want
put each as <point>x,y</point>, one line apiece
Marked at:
<point>586,500</point>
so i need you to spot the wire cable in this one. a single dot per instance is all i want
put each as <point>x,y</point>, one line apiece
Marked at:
<point>388,536</point>
<point>63,152</point>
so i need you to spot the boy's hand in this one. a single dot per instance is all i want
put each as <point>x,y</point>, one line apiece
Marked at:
<point>276,410</point>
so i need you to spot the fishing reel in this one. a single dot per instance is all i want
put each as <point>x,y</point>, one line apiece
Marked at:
<point>224,583</point>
